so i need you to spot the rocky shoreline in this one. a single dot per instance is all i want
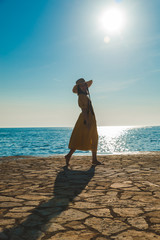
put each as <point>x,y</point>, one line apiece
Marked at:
<point>40,198</point>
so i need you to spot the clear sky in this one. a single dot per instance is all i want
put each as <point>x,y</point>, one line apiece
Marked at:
<point>46,45</point>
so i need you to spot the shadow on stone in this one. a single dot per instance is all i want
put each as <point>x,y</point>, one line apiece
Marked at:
<point>68,185</point>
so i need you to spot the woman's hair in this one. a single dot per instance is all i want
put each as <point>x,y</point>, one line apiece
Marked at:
<point>79,91</point>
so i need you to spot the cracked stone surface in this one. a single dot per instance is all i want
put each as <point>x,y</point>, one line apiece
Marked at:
<point>42,199</point>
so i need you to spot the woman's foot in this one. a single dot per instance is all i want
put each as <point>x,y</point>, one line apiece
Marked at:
<point>67,159</point>
<point>96,162</point>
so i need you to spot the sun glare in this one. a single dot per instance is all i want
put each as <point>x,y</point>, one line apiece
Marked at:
<point>113,20</point>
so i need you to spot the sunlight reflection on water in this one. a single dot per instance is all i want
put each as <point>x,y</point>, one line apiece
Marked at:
<point>127,139</point>
<point>111,139</point>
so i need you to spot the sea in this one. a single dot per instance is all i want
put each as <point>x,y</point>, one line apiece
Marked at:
<point>48,141</point>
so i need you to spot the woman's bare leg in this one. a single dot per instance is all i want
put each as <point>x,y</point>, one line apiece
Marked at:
<point>69,155</point>
<point>94,158</point>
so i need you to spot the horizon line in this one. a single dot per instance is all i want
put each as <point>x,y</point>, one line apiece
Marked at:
<point>73,126</point>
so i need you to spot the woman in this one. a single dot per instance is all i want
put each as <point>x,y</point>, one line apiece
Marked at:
<point>84,135</point>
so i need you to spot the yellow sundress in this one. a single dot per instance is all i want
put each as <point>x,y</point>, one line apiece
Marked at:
<point>83,138</point>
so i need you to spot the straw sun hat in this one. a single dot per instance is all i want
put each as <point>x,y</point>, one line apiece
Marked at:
<point>79,82</point>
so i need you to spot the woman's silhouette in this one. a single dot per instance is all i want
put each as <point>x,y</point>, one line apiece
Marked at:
<point>84,135</point>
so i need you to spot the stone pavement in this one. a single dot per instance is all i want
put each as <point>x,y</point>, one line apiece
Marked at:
<point>41,199</point>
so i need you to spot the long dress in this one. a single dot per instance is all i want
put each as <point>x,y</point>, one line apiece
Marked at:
<point>83,138</point>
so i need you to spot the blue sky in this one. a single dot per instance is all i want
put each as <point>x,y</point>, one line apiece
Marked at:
<point>46,45</point>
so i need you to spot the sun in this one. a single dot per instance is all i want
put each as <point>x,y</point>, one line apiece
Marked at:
<point>113,20</point>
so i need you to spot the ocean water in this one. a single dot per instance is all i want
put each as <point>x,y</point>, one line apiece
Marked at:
<point>51,141</point>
